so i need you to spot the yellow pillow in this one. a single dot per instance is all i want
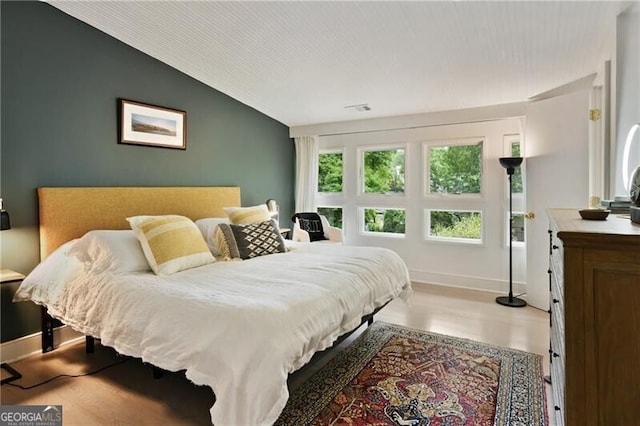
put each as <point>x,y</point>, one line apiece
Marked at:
<point>247,215</point>
<point>170,243</point>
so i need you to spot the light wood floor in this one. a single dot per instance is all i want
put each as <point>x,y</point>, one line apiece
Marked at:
<point>126,394</point>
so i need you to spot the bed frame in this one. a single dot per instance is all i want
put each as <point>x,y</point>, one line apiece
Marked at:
<point>68,213</point>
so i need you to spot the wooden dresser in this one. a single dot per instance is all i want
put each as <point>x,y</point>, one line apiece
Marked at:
<point>594,279</point>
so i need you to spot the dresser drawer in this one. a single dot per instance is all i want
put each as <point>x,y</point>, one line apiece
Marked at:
<point>558,395</point>
<point>557,290</point>
<point>557,358</point>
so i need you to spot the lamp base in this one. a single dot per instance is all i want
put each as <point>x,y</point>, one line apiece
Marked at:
<point>513,302</point>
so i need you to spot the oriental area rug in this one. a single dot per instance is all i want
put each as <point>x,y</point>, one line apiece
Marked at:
<point>393,375</point>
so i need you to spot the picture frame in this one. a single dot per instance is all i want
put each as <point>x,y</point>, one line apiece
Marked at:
<point>152,125</point>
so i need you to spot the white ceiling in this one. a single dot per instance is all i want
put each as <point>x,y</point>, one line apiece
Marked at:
<point>303,62</point>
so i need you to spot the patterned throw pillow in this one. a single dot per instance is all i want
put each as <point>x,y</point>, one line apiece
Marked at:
<point>245,215</point>
<point>170,243</point>
<point>311,223</point>
<point>249,241</point>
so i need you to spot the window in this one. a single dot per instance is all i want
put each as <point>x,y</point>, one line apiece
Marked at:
<point>387,221</point>
<point>454,225</point>
<point>517,229</point>
<point>516,179</point>
<point>454,169</point>
<point>330,172</point>
<point>333,215</point>
<point>383,171</point>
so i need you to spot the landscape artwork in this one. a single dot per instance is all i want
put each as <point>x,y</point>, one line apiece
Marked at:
<point>158,126</point>
<point>152,125</point>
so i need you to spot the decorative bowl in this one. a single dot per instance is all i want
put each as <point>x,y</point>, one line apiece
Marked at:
<point>594,214</point>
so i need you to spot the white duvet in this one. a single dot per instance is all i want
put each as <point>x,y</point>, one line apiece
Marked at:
<point>238,327</point>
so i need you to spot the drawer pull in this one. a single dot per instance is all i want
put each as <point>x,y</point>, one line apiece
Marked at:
<point>555,355</point>
<point>556,408</point>
<point>555,247</point>
<point>549,271</point>
<point>555,301</point>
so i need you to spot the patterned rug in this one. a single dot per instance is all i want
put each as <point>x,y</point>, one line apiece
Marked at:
<point>393,375</point>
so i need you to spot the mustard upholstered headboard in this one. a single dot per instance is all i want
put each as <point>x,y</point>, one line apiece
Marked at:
<point>68,213</point>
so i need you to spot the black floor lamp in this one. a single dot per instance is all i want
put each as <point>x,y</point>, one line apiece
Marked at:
<point>511,163</point>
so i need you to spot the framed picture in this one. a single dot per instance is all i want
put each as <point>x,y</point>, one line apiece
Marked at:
<point>152,125</point>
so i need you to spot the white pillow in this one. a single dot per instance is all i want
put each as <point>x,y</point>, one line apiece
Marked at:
<point>171,243</point>
<point>207,227</point>
<point>47,282</point>
<point>110,250</point>
<point>247,215</point>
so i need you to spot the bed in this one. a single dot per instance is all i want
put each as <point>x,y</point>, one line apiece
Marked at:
<point>238,327</point>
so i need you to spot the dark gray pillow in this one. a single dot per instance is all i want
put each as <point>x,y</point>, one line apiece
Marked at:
<point>253,240</point>
<point>311,223</point>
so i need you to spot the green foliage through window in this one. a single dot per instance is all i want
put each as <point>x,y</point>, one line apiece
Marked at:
<point>453,224</point>
<point>333,215</point>
<point>384,220</point>
<point>517,227</point>
<point>455,169</point>
<point>330,172</point>
<point>516,179</point>
<point>384,171</point>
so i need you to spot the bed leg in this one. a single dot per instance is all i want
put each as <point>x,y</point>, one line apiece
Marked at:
<point>47,330</point>
<point>157,372</point>
<point>90,344</point>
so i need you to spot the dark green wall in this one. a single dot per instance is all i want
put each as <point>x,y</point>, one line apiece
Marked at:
<point>60,83</point>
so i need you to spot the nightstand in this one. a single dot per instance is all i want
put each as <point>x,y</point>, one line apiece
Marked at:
<point>286,233</point>
<point>8,276</point>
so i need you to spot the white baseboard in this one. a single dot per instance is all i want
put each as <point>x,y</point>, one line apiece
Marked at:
<point>25,346</point>
<point>462,281</point>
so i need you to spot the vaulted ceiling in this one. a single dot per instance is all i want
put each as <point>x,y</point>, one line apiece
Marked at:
<point>306,62</point>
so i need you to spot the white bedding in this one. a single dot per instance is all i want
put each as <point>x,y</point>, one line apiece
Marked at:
<point>238,327</point>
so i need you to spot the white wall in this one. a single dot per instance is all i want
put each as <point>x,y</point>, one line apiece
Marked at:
<point>627,91</point>
<point>476,266</point>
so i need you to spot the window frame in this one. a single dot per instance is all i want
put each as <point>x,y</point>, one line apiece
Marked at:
<point>426,221</point>
<point>362,222</point>
<point>361,166</point>
<point>426,166</point>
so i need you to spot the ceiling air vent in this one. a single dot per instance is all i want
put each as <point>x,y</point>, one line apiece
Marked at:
<point>359,107</point>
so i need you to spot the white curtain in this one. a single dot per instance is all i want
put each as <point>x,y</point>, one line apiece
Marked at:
<point>306,173</point>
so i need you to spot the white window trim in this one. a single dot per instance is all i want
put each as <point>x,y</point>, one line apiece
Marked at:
<point>452,240</point>
<point>426,166</point>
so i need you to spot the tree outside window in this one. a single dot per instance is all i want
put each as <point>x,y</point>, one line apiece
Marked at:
<point>516,178</point>
<point>455,224</point>
<point>455,169</point>
<point>330,172</point>
<point>517,228</point>
<point>384,171</point>
<point>391,221</point>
